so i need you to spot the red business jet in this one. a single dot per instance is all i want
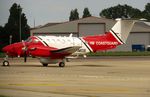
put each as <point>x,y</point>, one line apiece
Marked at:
<point>53,49</point>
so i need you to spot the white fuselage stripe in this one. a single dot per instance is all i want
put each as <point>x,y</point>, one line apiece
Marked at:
<point>86,44</point>
<point>116,37</point>
<point>40,40</point>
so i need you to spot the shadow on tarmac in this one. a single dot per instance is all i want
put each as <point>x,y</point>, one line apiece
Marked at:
<point>96,65</point>
<point>55,66</point>
<point>29,66</point>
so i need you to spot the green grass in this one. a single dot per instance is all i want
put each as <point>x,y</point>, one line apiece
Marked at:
<point>120,54</point>
<point>3,96</point>
<point>2,55</point>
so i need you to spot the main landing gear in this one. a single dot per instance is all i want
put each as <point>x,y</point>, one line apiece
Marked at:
<point>61,63</point>
<point>6,62</point>
<point>45,65</point>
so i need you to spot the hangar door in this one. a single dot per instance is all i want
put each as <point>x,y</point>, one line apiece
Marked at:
<point>91,28</point>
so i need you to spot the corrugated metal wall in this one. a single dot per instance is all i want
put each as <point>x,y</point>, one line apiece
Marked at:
<point>91,29</point>
<point>134,38</point>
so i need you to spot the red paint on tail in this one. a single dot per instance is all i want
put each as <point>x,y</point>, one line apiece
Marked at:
<point>102,42</point>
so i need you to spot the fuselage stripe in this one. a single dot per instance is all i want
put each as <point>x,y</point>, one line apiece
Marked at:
<point>117,37</point>
<point>85,45</point>
<point>43,41</point>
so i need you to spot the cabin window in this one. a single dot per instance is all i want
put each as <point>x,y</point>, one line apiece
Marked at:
<point>48,40</point>
<point>63,40</point>
<point>35,40</point>
<point>53,40</point>
<point>58,40</point>
<point>69,40</point>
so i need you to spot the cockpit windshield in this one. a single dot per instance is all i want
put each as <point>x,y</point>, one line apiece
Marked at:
<point>34,40</point>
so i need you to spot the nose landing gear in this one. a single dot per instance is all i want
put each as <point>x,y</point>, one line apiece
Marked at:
<point>6,62</point>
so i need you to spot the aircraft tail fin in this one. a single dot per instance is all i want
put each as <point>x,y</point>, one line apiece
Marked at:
<point>122,29</point>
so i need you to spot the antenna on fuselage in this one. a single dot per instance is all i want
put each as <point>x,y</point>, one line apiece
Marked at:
<point>71,35</point>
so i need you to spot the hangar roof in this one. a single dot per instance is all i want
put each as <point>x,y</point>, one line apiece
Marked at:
<point>72,26</point>
<point>141,27</point>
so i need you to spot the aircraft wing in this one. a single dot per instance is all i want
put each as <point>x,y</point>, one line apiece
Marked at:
<point>68,50</point>
<point>42,51</point>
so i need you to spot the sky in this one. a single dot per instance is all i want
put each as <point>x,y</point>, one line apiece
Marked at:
<point>40,12</point>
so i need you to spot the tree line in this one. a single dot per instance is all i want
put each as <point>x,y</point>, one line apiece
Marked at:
<point>126,11</point>
<point>119,11</point>
<point>74,15</point>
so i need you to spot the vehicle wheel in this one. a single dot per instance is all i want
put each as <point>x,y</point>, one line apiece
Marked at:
<point>5,63</point>
<point>45,65</point>
<point>61,64</point>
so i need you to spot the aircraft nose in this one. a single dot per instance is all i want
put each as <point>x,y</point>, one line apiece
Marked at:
<point>13,49</point>
<point>5,49</point>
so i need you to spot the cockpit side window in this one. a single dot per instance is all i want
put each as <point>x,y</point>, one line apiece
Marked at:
<point>35,40</point>
<point>29,40</point>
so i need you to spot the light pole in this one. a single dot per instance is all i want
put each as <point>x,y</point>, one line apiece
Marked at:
<point>20,25</point>
<point>10,39</point>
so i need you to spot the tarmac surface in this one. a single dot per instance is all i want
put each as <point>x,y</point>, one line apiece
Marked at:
<point>91,77</point>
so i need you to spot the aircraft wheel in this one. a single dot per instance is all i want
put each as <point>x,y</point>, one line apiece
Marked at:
<point>5,63</point>
<point>67,60</point>
<point>61,64</point>
<point>45,65</point>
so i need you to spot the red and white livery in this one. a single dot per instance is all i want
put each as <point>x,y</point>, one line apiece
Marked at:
<point>53,49</point>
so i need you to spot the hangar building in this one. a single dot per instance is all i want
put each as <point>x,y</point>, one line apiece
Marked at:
<point>140,33</point>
